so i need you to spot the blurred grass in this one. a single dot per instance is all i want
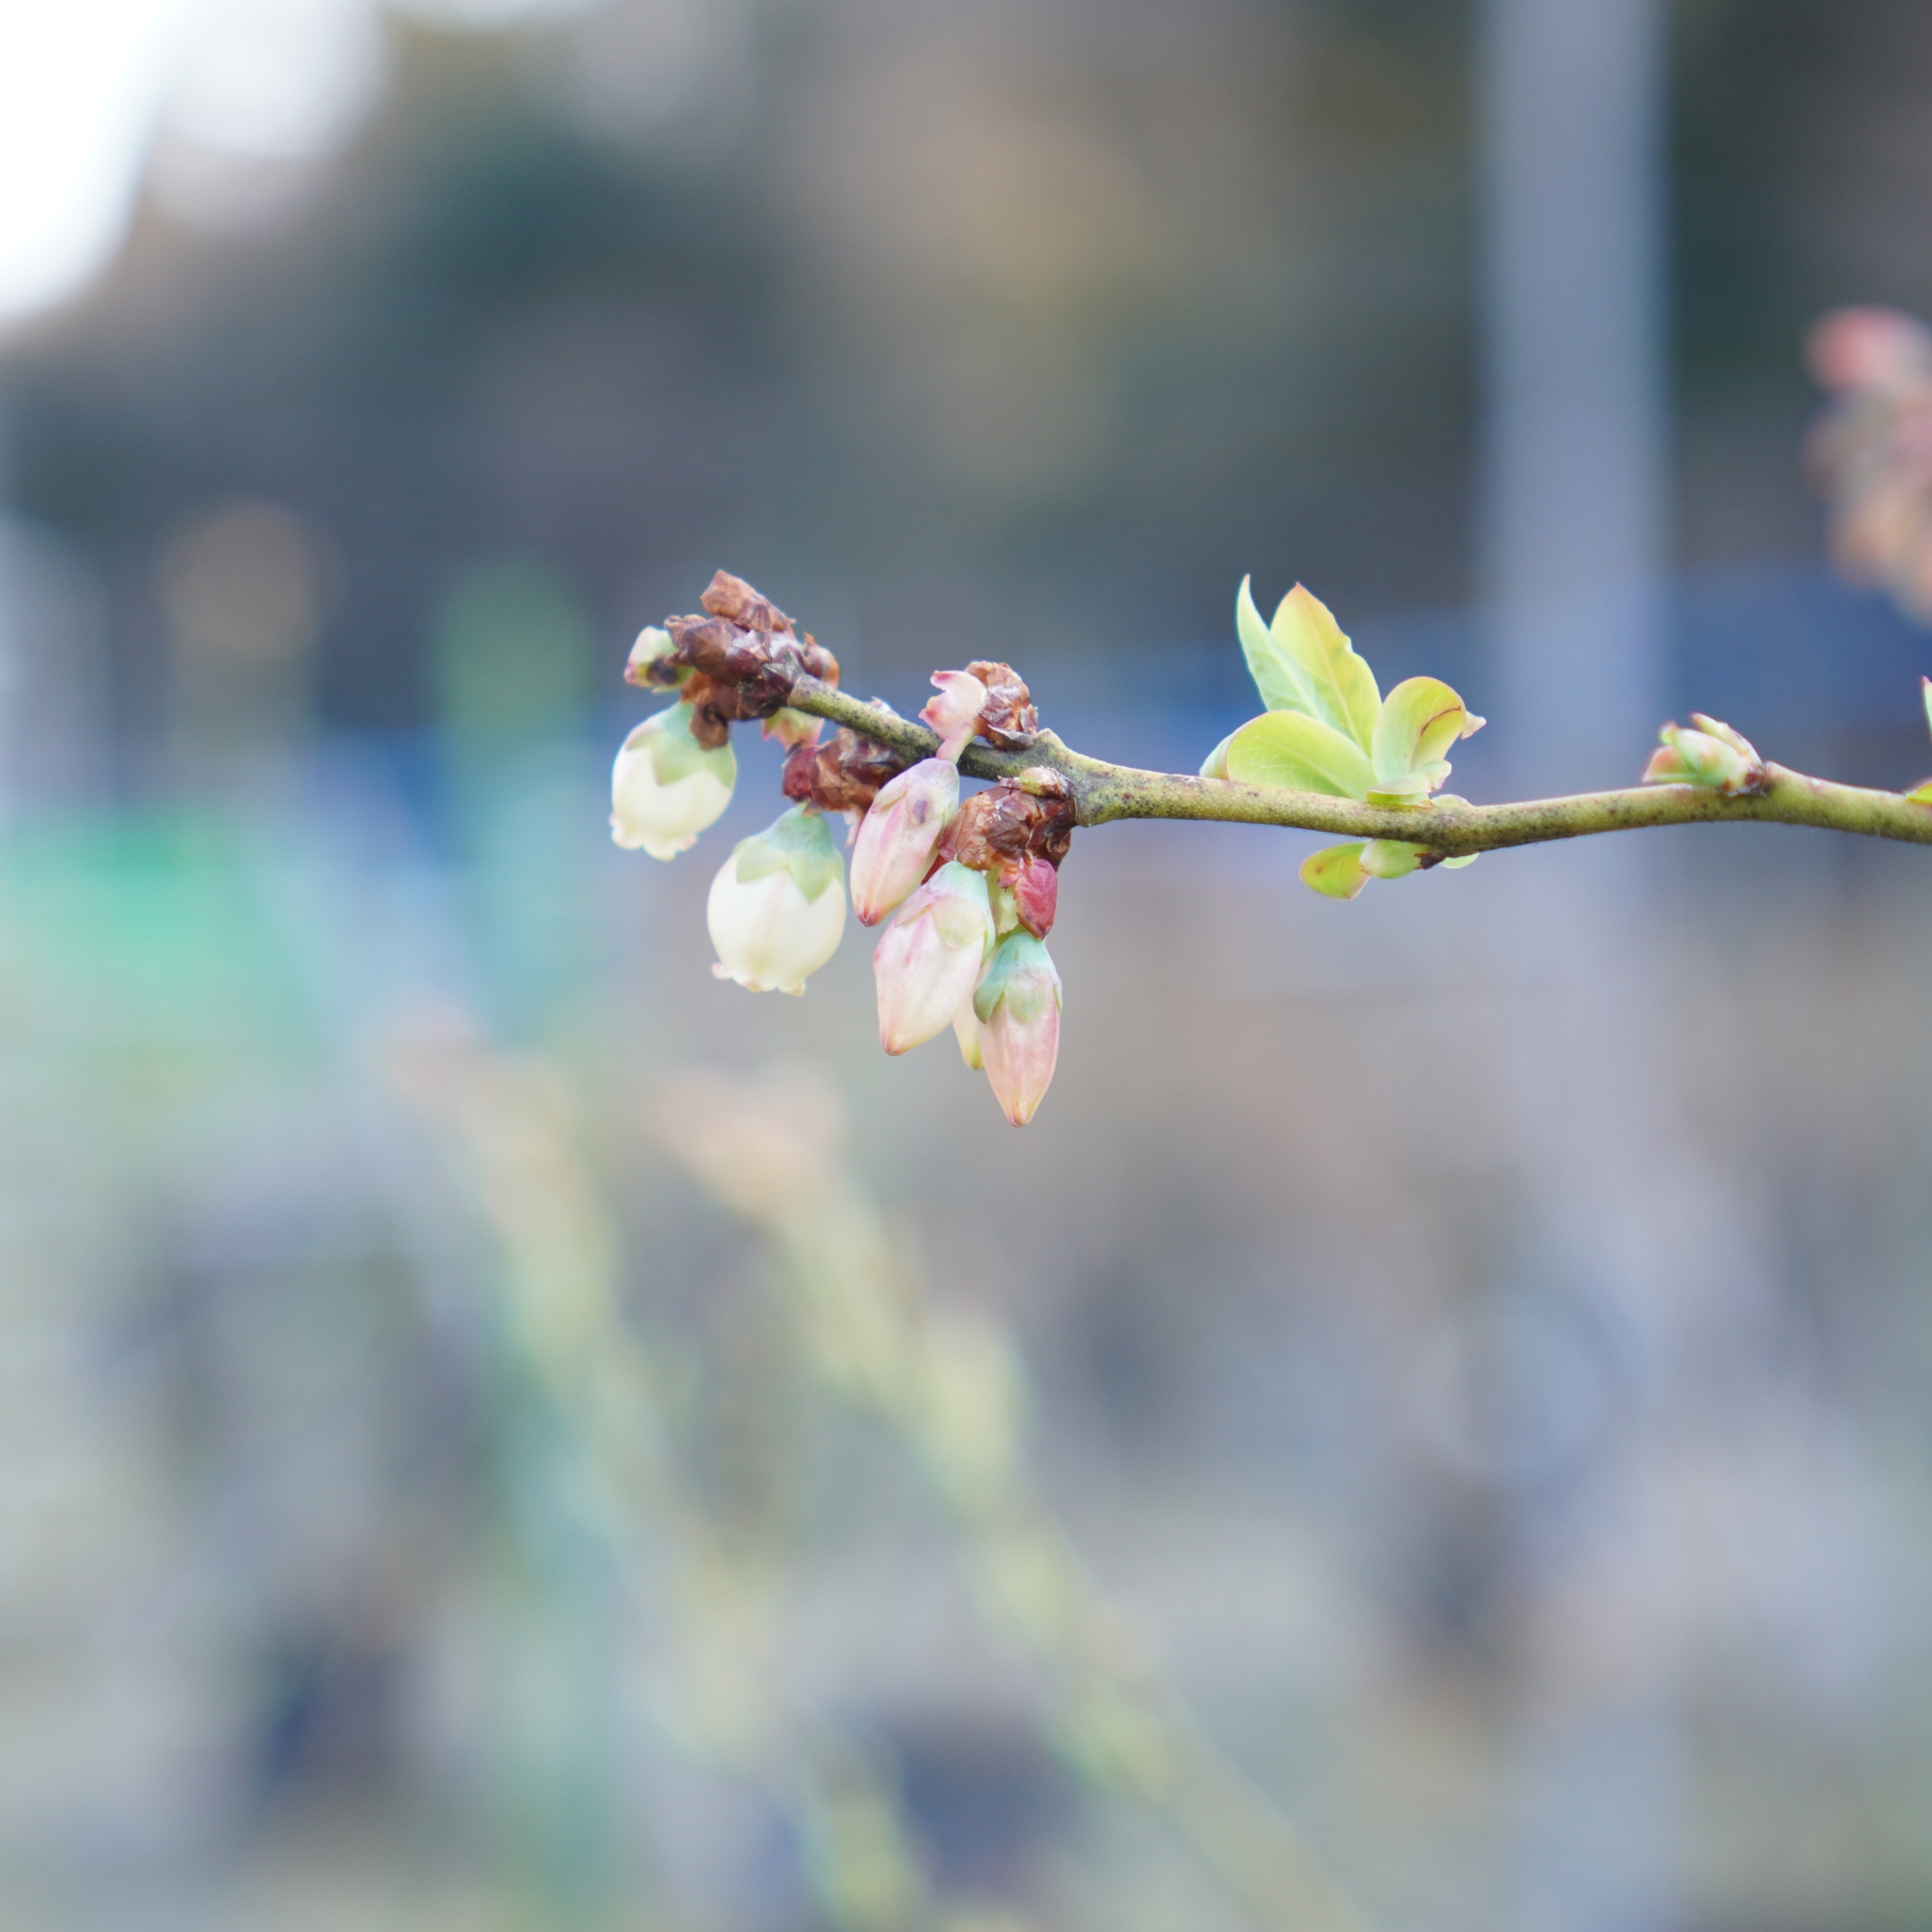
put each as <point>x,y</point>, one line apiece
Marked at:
<point>545,1548</point>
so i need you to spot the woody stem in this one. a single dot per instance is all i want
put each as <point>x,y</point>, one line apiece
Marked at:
<point>1103,792</point>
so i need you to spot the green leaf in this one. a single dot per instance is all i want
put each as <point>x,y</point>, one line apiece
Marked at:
<point>1389,858</point>
<point>1420,719</point>
<point>1285,747</point>
<point>1335,871</point>
<point>1215,764</point>
<point>1270,665</point>
<point>1457,865</point>
<point>1340,683</point>
<point>1920,794</point>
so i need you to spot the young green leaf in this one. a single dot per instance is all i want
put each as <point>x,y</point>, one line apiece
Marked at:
<point>1335,871</point>
<point>1215,764</point>
<point>1340,683</point>
<point>1285,747</point>
<point>1420,719</point>
<point>1271,667</point>
<point>1389,858</point>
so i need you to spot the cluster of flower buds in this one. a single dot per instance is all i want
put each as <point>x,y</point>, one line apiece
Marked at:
<point>966,889</point>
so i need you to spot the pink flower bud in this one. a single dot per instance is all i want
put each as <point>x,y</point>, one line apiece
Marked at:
<point>954,714</point>
<point>1017,1005</point>
<point>897,838</point>
<point>929,959</point>
<point>966,1031</point>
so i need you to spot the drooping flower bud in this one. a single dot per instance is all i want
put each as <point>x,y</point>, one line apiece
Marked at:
<point>954,714</point>
<point>966,1031</point>
<point>778,905</point>
<point>927,961</point>
<point>665,787</point>
<point>649,662</point>
<point>898,835</point>
<point>1017,1005</point>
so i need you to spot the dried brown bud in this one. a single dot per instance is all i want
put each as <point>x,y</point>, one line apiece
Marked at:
<point>997,830</point>
<point>843,775</point>
<point>732,598</point>
<point>740,671</point>
<point>815,660</point>
<point>1008,720</point>
<point>709,726</point>
<point>717,647</point>
<point>757,695</point>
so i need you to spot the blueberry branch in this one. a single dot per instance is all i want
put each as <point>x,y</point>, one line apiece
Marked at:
<point>1104,792</point>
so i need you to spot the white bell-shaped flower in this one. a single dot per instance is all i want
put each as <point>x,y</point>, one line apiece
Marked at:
<point>665,787</point>
<point>778,905</point>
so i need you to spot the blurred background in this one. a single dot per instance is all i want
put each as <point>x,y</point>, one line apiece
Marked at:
<point>1428,1427</point>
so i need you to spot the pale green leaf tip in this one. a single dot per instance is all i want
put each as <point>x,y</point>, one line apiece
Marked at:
<point>1335,871</point>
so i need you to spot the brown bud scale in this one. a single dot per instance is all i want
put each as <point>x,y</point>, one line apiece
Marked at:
<point>843,775</point>
<point>738,660</point>
<point>1000,829</point>
<point>1009,719</point>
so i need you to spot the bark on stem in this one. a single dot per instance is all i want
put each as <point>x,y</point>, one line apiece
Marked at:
<point>1104,792</point>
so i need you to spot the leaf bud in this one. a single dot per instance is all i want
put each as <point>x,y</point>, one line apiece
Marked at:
<point>665,787</point>
<point>778,905</point>
<point>927,961</point>
<point>1708,755</point>
<point>896,837</point>
<point>1017,1005</point>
